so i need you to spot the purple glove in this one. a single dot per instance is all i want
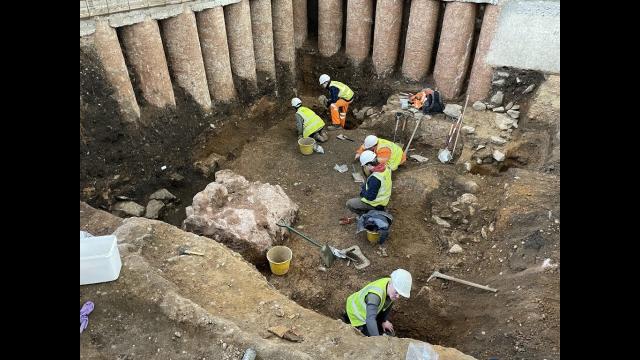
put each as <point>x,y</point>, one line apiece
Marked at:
<point>87,308</point>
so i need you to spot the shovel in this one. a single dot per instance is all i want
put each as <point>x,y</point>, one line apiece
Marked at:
<point>398,115</point>
<point>328,253</point>
<point>412,135</point>
<point>445,155</point>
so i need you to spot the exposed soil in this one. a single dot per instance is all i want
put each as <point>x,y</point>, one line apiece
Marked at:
<point>520,321</point>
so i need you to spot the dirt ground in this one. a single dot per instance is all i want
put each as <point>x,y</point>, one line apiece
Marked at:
<point>520,321</point>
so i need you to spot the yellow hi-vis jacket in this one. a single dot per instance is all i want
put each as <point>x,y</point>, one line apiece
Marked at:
<point>396,153</point>
<point>345,92</point>
<point>312,122</point>
<point>384,193</point>
<point>356,302</point>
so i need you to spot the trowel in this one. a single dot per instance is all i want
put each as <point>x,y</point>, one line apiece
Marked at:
<point>342,137</point>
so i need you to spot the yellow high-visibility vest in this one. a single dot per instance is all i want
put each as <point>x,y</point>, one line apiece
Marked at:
<point>345,92</point>
<point>357,305</point>
<point>396,153</point>
<point>311,121</point>
<point>384,193</point>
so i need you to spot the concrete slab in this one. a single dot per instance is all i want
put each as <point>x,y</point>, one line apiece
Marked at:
<point>528,36</point>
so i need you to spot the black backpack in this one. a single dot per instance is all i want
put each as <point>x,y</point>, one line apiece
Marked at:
<point>433,104</point>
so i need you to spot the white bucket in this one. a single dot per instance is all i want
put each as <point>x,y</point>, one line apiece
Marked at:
<point>404,104</point>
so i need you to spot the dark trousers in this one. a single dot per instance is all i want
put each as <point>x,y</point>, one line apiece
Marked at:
<point>363,328</point>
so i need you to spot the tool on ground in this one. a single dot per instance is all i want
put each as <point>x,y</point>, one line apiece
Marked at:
<point>328,253</point>
<point>451,278</point>
<point>343,137</point>
<point>355,254</point>
<point>183,250</point>
<point>412,135</point>
<point>404,124</point>
<point>398,115</point>
<point>445,155</point>
<point>347,220</point>
<point>357,177</point>
<point>419,158</point>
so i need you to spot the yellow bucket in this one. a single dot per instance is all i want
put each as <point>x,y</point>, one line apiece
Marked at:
<point>279,259</point>
<point>373,237</point>
<point>306,145</point>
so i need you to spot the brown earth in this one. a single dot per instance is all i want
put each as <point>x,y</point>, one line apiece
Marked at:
<point>520,321</point>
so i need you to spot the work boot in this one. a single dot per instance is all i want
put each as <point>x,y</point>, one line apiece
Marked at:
<point>333,127</point>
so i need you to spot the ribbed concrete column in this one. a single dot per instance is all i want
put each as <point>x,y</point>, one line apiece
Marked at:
<point>359,21</point>
<point>185,56</point>
<point>110,55</point>
<point>481,72</point>
<point>143,46</point>
<point>454,50</point>
<point>262,29</point>
<point>329,26</point>
<point>421,33</point>
<point>299,22</point>
<point>386,36</point>
<point>237,18</point>
<point>283,38</point>
<point>215,52</point>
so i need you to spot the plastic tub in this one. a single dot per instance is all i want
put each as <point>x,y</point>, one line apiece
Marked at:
<point>279,259</point>
<point>99,259</point>
<point>306,145</point>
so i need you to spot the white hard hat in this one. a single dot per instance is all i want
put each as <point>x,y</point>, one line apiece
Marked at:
<point>324,78</point>
<point>401,281</point>
<point>295,102</point>
<point>366,157</point>
<point>370,141</point>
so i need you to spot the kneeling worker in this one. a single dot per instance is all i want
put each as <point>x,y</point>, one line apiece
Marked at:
<point>376,191</point>
<point>368,309</point>
<point>386,151</point>
<point>308,123</point>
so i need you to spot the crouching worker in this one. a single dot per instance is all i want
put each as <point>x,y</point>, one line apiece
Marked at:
<point>376,221</point>
<point>419,98</point>
<point>428,100</point>
<point>368,309</point>
<point>376,191</point>
<point>386,151</point>
<point>308,123</point>
<point>340,97</point>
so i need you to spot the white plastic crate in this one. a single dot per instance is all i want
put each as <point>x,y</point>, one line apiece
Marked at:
<point>99,259</point>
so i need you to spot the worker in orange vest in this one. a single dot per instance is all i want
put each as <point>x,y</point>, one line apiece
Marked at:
<point>418,99</point>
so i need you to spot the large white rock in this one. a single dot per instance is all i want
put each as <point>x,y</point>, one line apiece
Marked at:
<point>241,214</point>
